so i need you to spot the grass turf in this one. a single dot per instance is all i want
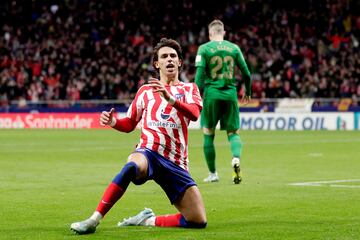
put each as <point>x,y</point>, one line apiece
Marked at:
<point>50,178</point>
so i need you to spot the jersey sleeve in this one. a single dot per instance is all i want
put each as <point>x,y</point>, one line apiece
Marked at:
<point>240,60</point>
<point>193,103</point>
<point>199,77</point>
<point>134,113</point>
<point>124,125</point>
<point>200,60</point>
<point>193,96</point>
<point>137,106</point>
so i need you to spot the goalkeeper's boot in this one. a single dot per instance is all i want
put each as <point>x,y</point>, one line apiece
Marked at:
<point>139,219</point>
<point>84,227</point>
<point>213,177</point>
<point>237,176</point>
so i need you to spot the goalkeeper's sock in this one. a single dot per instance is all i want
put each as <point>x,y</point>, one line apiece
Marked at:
<point>117,188</point>
<point>176,220</point>
<point>209,152</point>
<point>236,145</point>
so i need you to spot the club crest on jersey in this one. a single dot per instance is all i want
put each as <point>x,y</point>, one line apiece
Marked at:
<point>179,95</point>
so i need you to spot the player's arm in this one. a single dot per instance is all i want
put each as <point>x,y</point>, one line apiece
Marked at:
<point>128,123</point>
<point>192,106</point>
<point>200,64</point>
<point>200,77</point>
<point>189,110</point>
<point>245,73</point>
<point>123,124</point>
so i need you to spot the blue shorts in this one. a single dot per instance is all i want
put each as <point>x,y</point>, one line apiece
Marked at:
<point>172,178</point>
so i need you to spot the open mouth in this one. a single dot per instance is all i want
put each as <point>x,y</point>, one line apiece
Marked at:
<point>170,66</point>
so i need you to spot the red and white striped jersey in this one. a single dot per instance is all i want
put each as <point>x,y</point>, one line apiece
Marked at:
<point>163,128</point>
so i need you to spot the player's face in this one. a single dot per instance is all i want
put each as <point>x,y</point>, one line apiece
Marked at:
<point>168,61</point>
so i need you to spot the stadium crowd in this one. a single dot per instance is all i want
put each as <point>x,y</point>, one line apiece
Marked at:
<point>87,49</point>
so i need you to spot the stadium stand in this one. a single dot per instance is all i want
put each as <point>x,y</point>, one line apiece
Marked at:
<point>84,49</point>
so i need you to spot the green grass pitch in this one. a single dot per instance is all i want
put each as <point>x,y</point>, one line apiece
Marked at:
<point>51,178</point>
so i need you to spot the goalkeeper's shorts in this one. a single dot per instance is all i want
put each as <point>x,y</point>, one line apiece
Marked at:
<point>225,111</point>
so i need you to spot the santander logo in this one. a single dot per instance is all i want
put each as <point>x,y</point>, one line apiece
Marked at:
<point>46,120</point>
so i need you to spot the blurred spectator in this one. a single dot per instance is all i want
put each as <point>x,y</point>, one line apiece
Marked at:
<point>102,49</point>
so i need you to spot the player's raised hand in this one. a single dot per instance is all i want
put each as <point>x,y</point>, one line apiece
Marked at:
<point>106,118</point>
<point>159,87</point>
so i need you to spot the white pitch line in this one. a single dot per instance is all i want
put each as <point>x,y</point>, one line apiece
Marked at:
<point>316,154</point>
<point>82,149</point>
<point>329,183</point>
<point>345,186</point>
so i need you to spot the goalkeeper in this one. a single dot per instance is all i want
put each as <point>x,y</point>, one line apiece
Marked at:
<point>215,62</point>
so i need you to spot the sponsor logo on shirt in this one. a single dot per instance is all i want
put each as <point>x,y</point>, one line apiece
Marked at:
<point>165,114</point>
<point>162,124</point>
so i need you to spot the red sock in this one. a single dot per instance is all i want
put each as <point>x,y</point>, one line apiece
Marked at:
<point>168,220</point>
<point>110,197</point>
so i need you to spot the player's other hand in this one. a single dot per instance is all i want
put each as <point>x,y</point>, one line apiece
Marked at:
<point>159,87</point>
<point>106,118</point>
<point>245,99</point>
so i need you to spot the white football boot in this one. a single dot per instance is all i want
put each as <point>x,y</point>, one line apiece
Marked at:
<point>212,177</point>
<point>85,227</point>
<point>137,220</point>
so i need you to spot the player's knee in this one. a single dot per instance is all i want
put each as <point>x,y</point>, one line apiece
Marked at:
<point>131,168</point>
<point>202,223</point>
<point>208,131</point>
<point>233,132</point>
<point>198,224</point>
<point>198,221</point>
<point>127,174</point>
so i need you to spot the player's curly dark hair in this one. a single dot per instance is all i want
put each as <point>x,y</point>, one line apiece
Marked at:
<point>166,42</point>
